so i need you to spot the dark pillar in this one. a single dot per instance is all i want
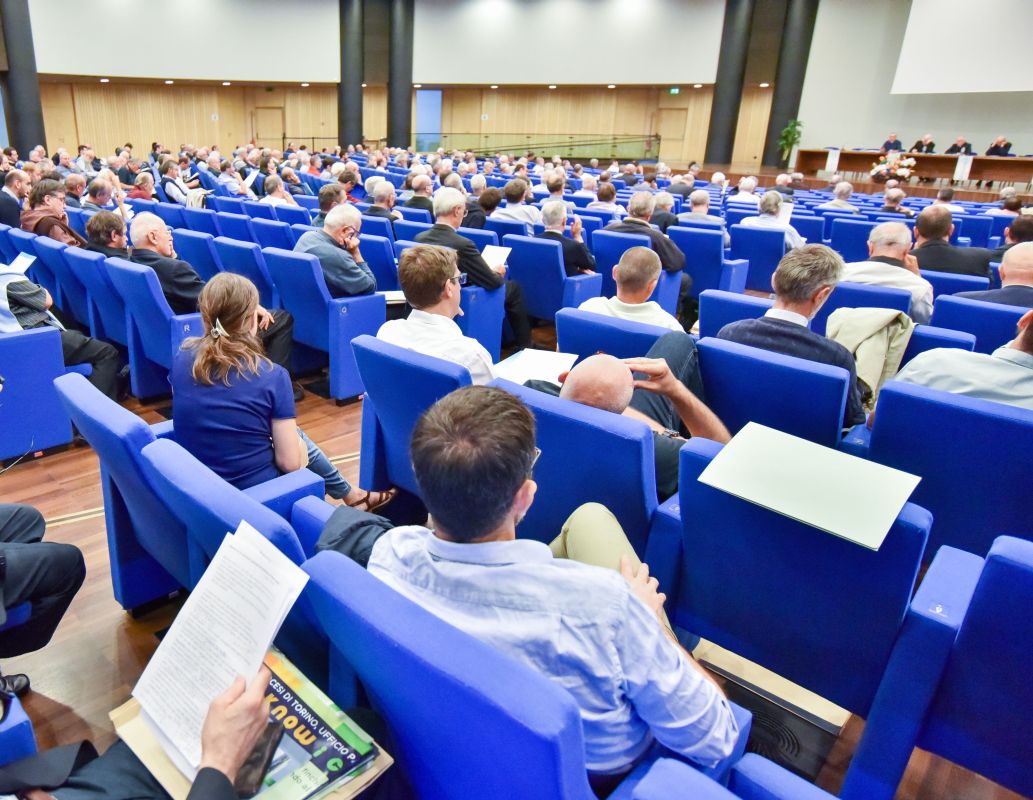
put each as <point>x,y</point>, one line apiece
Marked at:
<point>792,66</point>
<point>22,104</point>
<point>349,90</point>
<point>731,69</point>
<point>399,74</point>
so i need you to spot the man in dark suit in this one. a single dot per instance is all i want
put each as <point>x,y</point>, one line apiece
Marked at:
<point>450,209</point>
<point>663,216</point>
<point>1020,230</point>
<point>475,215</point>
<point>924,145</point>
<point>960,147</point>
<point>577,258</point>
<point>682,184</point>
<point>384,197</point>
<point>640,211</point>
<point>933,249</point>
<point>12,197</point>
<point>422,192</point>
<point>1016,279</point>
<point>803,281</point>
<point>999,147</point>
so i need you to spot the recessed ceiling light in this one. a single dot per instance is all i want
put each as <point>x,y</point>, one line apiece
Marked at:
<point>169,83</point>
<point>764,85</point>
<point>105,80</point>
<point>552,85</point>
<point>697,86</point>
<point>417,86</point>
<point>611,86</point>
<point>494,86</point>
<point>226,83</point>
<point>304,85</point>
<point>363,86</point>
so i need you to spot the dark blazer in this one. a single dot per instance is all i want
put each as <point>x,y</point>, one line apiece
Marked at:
<point>663,220</point>
<point>941,256</point>
<point>896,144</point>
<point>671,257</point>
<point>419,201</point>
<point>782,336</point>
<point>999,149</point>
<point>918,147</point>
<point>576,257</point>
<point>965,149</point>
<point>476,268</point>
<point>10,212</point>
<point>1014,295</point>
<point>475,215</point>
<point>377,211</point>
<point>72,202</point>
<point>180,284</point>
<point>684,189</point>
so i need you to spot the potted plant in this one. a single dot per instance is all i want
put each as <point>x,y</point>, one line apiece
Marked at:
<point>789,138</point>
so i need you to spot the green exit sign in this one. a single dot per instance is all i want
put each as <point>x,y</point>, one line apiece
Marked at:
<point>674,90</point>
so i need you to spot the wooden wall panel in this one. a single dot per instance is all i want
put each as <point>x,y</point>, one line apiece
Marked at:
<point>689,144</point>
<point>311,113</point>
<point>374,112</point>
<point>751,128</point>
<point>59,116</point>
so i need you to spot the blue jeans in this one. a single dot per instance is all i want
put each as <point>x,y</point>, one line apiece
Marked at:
<point>336,486</point>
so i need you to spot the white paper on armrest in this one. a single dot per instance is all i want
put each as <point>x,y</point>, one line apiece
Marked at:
<point>393,297</point>
<point>838,493</point>
<point>223,630</point>
<point>543,365</point>
<point>251,178</point>
<point>21,263</point>
<point>495,256</point>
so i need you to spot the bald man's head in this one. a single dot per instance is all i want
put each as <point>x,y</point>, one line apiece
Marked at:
<point>1017,265</point>
<point>600,381</point>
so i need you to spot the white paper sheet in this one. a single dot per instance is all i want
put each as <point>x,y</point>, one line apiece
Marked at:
<point>21,263</point>
<point>223,630</point>
<point>495,256</point>
<point>841,494</point>
<point>393,297</point>
<point>832,160</point>
<point>963,168</point>
<point>251,178</point>
<point>542,365</point>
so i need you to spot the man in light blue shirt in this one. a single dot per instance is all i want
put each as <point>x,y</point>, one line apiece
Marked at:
<point>337,248</point>
<point>599,633</point>
<point>1005,376</point>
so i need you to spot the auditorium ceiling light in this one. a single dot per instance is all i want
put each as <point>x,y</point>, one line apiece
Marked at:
<point>304,86</point>
<point>611,86</point>
<point>105,80</point>
<point>552,85</point>
<point>363,86</point>
<point>226,83</point>
<point>764,85</point>
<point>697,86</point>
<point>494,86</point>
<point>417,86</point>
<point>169,83</point>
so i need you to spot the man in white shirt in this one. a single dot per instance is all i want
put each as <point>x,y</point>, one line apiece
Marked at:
<point>516,209</point>
<point>890,263</point>
<point>770,209</point>
<point>747,187</point>
<point>431,282</point>
<point>588,185</point>
<point>1005,376</point>
<point>636,276</point>
<point>593,630</point>
<point>944,198</point>
<point>699,204</point>
<point>841,199</point>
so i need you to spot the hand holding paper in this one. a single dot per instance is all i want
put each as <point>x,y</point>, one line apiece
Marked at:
<point>236,718</point>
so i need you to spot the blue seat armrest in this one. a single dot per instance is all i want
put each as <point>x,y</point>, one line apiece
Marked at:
<point>756,778</point>
<point>373,455</point>
<point>308,517</point>
<point>163,430</point>
<point>669,779</point>
<point>856,441</point>
<point>17,739</point>
<point>664,548</point>
<point>579,288</point>
<point>733,275</point>
<point>964,241</point>
<point>930,337</point>
<point>914,671</point>
<point>184,326</point>
<point>280,494</point>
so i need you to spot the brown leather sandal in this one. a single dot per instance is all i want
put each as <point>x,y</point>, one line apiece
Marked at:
<point>371,501</point>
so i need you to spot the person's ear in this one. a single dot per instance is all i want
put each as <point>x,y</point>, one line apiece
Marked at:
<point>820,296</point>
<point>523,499</point>
<point>1026,320</point>
<point>871,249</point>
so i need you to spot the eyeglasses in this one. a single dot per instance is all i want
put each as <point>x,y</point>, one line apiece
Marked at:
<point>459,279</point>
<point>537,455</point>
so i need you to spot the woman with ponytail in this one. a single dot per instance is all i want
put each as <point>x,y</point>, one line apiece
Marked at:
<point>233,408</point>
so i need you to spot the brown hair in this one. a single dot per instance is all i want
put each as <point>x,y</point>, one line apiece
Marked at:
<point>934,222</point>
<point>330,195</point>
<point>423,272</point>
<point>102,225</point>
<point>606,193</point>
<point>515,191</point>
<point>43,189</point>
<point>489,199</point>
<point>229,300</point>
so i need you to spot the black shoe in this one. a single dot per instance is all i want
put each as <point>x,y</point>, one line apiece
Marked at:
<point>299,392</point>
<point>18,684</point>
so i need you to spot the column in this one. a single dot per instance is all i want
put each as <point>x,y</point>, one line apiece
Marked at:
<point>731,69</point>
<point>792,67</point>
<point>349,90</point>
<point>24,108</point>
<point>399,75</point>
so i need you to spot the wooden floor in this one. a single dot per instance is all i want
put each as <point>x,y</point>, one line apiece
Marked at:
<point>99,651</point>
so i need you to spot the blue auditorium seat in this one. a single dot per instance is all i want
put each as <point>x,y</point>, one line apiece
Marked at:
<point>293,215</point>
<point>245,258</point>
<point>850,238</point>
<point>812,229</point>
<point>257,210</point>
<point>171,214</point>
<point>585,334</point>
<point>505,227</point>
<point>198,250</point>
<point>229,205</point>
<point>22,240</point>
<point>378,226</point>
<point>201,220</point>
<point>297,231</point>
<point>860,295</point>
<point>415,215</point>
<point>718,308</point>
<point>8,252</point>
<point>479,237</point>
<point>106,309</point>
<point>17,739</point>
<point>608,247</point>
<point>236,226</point>
<point>762,249</point>
<point>409,229</point>
<point>43,272</point>
<point>309,202</point>
<point>537,264</point>
<point>705,260</point>
<point>77,220</point>
<point>993,324</point>
<point>379,253</point>
<point>321,322</point>
<point>976,228</point>
<point>155,333</point>
<point>946,283</point>
<point>270,233</point>
<point>400,385</point>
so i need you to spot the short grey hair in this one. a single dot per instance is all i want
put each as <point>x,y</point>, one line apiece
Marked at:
<point>272,183</point>
<point>478,182</point>
<point>890,234</point>
<point>343,216</point>
<point>554,213</point>
<point>642,204</point>
<point>782,179</point>
<point>805,270</point>
<point>747,184</point>
<point>894,196</point>
<point>771,203</point>
<point>371,183</point>
<point>664,200</point>
<point>1008,191</point>
<point>447,200</point>
<point>637,267</point>
<point>700,197</point>
<point>383,190</point>
<point>843,190</point>
<point>588,183</point>
<point>143,223</point>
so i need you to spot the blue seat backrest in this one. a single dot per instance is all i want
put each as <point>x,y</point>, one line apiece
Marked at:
<point>810,228</point>
<point>976,227</point>
<point>585,334</point>
<point>746,384</point>
<point>31,416</point>
<point>704,255</point>
<point>608,247</point>
<point>198,250</point>
<point>201,220</point>
<point>270,233</point>
<point>48,252</point>
<point>146,305</point>
<point>860,295</point>
<point>418,670</point>
<point>297,231</point>
<point>73,294</point>
<point>400,385</point>
<point>22,241</point>
<point>171,214</point>
<point>969,454</point>
<point>117,436</point>
<point>948,283</point>
<point>571,437</point>
<point>109,308</point>
<point>505,227</point>
<point>415,215</point>
<point>763,249</point>
<point>408,229</point>
<point>993,324</point>
<point>735,214</point>
<point>981,710</point>
<point>302,287</point>
<point>8,252</point>
<point>245,258</point>
<point>257,210</point>
<point>292,215</point>
<point>537,264</point>
<point>380,255</point>
<point>718,308</point>
<point>309,201</point>
<point>812,607</point>
<point>229,205</point>
<point>850,238</point>
<point>236,226</point>
<point>378,226</point>
<point>479,237</point>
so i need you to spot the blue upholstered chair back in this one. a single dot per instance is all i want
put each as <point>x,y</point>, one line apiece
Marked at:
<point>537,265</point>
<point>257,210</point>
<point>418,670</point>
<point>479,237</point>
<point>705,259</point>
<point>245,258</point>
<point>608,247</point>
<point>380,255</point>
<point>109,310</point>
<point>400,385</point>
<point>860,295</point>
<point>117,436</point>
<point>972,456</point>
<point>763,249</point>
<point>850,238</point>
<point>947,283</point>
<point>22,240</point>
<point>975,227</point>
<point>201,220</point>
<point>993,324</point>
<point>227,205</point>
<point>586,334</point>
<point>718,308</point>
<point>811,607</point>
<point>810,228</point>
<point>505,227</point>
<point>303,292</point>
<point>270,233</point>
<point>31,416</point>
<point>293,215</point>
<point>198,249</point>
<point>42,272</point>
<point>171,214</point>
<point>415,215</point>
<point>409,229</point>
<point>747,384</point>
<point>236,226</point>
<point>571,437</point>
<point>377,226</point>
